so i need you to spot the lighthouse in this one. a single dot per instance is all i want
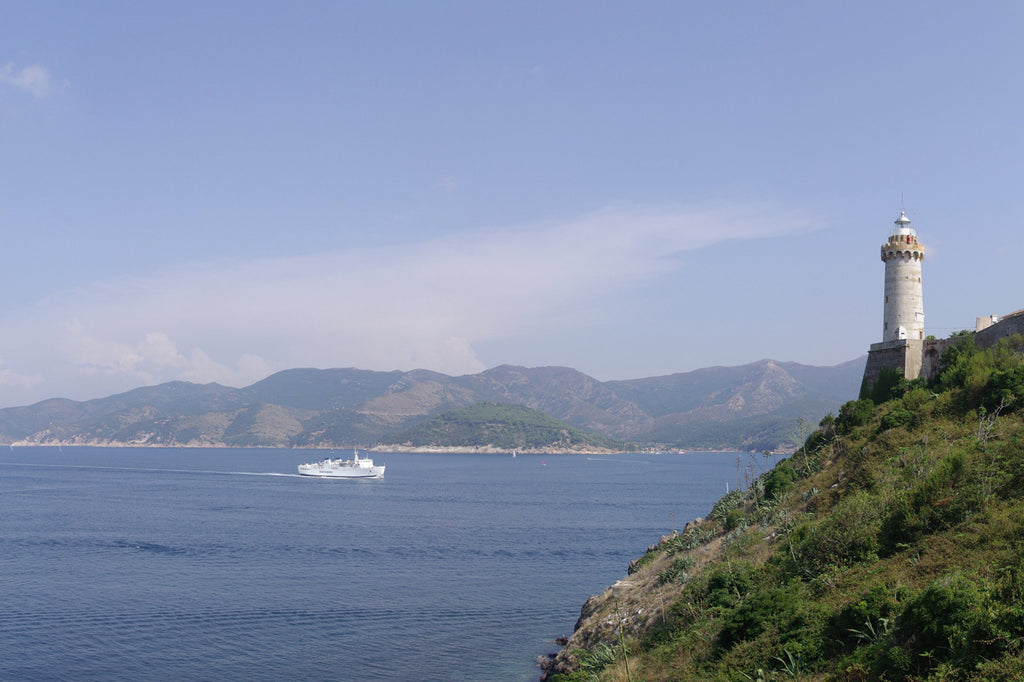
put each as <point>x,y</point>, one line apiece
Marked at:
<point>903,348</point>
<point>904,302</point>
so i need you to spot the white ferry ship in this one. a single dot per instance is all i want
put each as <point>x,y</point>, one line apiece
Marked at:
<point>343,468</point>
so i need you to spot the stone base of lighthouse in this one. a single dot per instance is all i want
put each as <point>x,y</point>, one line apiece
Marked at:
<point>903,356</point>
<point>913,358</point>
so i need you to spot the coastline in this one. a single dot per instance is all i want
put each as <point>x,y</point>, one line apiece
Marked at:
<point>455,450</point>
<point>425,449</point>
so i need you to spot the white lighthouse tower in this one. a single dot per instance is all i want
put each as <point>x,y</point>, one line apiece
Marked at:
<point>904,301</point>
<point>903,346</point>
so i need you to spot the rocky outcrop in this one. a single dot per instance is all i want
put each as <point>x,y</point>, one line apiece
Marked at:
<point>633,604</point>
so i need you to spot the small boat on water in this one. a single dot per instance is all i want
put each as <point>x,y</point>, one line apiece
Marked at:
<point>343,468</point>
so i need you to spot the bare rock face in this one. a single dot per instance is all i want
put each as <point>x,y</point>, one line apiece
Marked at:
<point>631,605</point>
<point>635,564</point>
<point>621,610</point>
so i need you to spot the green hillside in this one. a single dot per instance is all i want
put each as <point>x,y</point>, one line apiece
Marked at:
<point>889,547</point>
<point>506,427</point>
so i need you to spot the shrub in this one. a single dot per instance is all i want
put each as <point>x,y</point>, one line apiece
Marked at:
<point>846,536</point>
<point>941,500</point>
<point>984,378</point>
<point>734,519</point>
<point>773,607</point>
<point>779,480</point>
<point>900,528</point>
<point>784,612</point>
<point>916,398</point>
<point>951,621</point>
<point>1010,454</point>
<point>866,621</point>
<point>853,414</point>
<point>896,418</point>
<point>1005,389</point>
<point>953,361</point>
<point>729,583</point>
<point>1007,669</point>
<point>891,384</point>
<point>825,434</point>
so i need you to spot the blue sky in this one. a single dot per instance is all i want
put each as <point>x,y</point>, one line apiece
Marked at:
<point>216,191</point>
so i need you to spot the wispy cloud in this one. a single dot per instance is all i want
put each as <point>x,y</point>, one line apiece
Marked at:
<point>448,184</point>
<point>33,79</point>
<point>401,307</point>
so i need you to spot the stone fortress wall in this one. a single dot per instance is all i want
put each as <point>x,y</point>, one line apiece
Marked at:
<point>921,358</point>
<point>989,331</point>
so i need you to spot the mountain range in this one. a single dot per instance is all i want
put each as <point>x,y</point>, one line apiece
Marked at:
<point>758,406</point>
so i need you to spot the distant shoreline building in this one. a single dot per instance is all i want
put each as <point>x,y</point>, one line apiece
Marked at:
<point>904,347</point>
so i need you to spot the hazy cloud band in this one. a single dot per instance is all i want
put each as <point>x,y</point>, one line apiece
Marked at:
<point>416,305</point>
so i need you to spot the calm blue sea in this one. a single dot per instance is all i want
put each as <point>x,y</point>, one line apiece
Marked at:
<point>213,564</point>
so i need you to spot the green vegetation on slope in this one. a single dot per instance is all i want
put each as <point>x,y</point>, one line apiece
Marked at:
<point>778,430</point>
<point>501,426</point>
<point>889,547</point>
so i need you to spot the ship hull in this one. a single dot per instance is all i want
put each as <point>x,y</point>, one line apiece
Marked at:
<point>375,472</point>
<point>342,468</point>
